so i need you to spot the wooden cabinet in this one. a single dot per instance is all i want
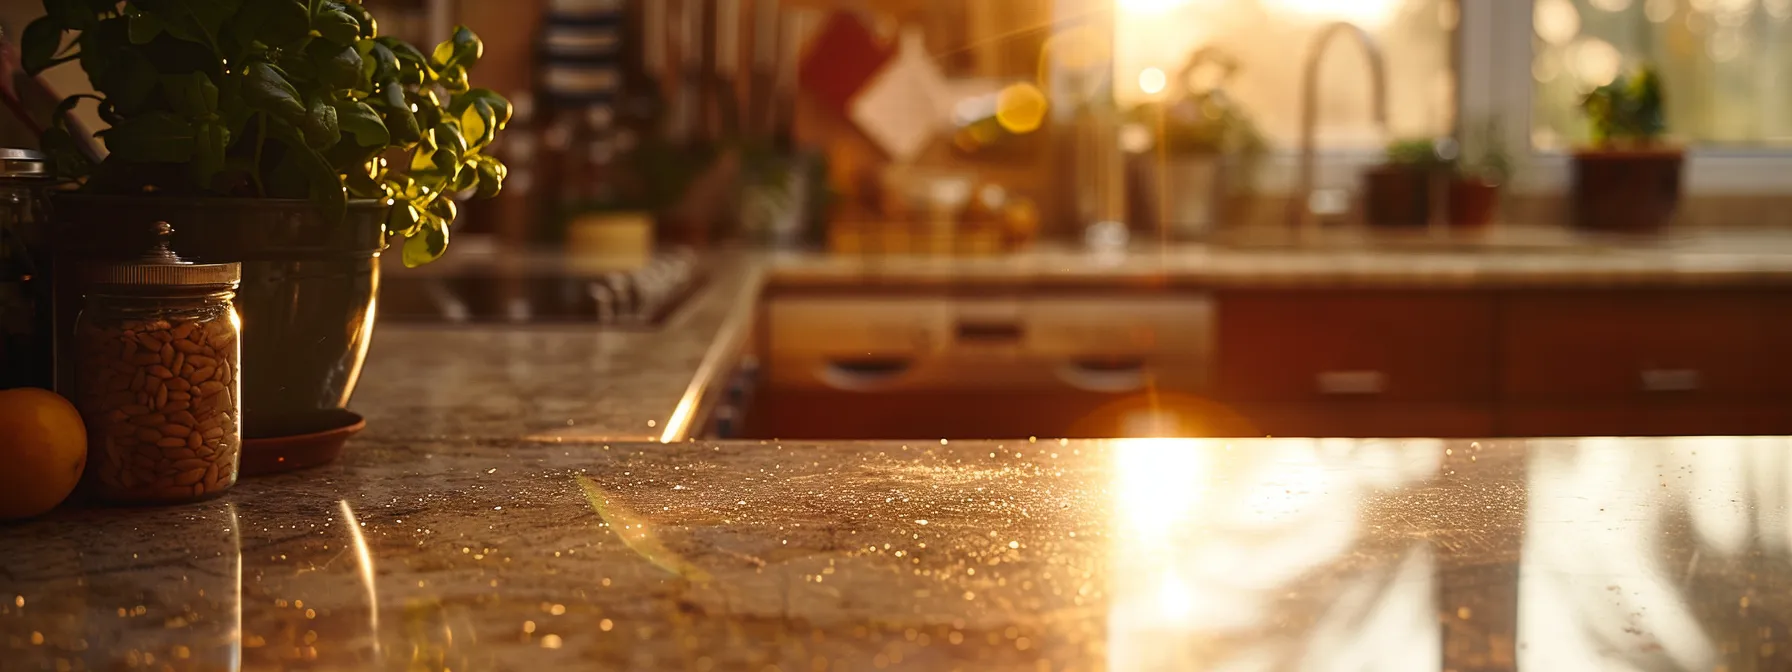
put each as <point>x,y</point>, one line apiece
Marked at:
<point>1518,363</point>
<point>1684,346</point>
<point>1305,346</point>
<point>1322,363</point>
<point>1677,362</point>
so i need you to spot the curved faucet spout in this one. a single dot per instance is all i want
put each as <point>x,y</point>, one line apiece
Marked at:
<point>1300,211</point>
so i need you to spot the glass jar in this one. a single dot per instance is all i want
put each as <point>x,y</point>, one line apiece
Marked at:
<point>157,348</point>
<point>24,289</point>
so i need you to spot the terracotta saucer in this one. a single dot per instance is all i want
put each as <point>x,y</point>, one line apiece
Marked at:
<point>269,456</point>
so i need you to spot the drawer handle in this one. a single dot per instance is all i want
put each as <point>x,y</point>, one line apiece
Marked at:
<point>1351,383</point>
<point>1111,376</point>
<point>1670,380</point>
<point>865,374</point>
<point>989,332</point>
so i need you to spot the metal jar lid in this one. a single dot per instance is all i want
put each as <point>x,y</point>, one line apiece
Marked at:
<point>23,164</point>
<point>162,267</point>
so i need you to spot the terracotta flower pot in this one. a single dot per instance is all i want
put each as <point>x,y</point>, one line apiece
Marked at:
<point>1396,196</point>
<point>1626,190</point>
<point>1473,202</point>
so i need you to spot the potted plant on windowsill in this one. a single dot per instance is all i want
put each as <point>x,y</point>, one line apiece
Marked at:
<point>1398,192</point>
<point>284,134</point>
<point>1477,176</point>
<point>1629,180</point>
<point>1197,172</point>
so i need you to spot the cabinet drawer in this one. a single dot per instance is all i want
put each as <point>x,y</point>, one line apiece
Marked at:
<point>1381,346</point>
<point>1639,346</point>
<point>873,327</point>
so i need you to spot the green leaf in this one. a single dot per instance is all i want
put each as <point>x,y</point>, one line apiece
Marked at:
<point>145,27</point>
<point>153,137</point>
<point>378,63</point>
<point>266,88</point>
<point>492,173</point>
<point>454,79</point>
<point>103,46</point>
<point>287,21</point>
<point>68,13</point>
<point>462,50</point>
<point>337,26</point>
<point>404,219</point>
<point>128,85</point>
<point>444,208</point>
<point>498,103</point>
<point>449,139</point>
<point>364,18</point>
<point>428,244</point>
<point>413,68</point>
<point>192,95</point>
<point>403,50</point>
<point>429,109</point>
<point>65,154</point>
<point>322,128</point>
<point>209,148</point>
<point>196,21</point>
<point>362,182</point>
<point>480,124</point>
<point>337,66</point>
<point>39,44</point>
<point>465,178</point>
<point>67,157</point>
<point>399,119</point>
<point>361,121</point>
<point>322,183</point>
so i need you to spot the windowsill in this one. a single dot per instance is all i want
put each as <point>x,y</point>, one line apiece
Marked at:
<point>1709,171</point>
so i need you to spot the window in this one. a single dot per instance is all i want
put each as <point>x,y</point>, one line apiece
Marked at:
<point>1524,63</point>
<point>1269,40</point>
<point>1726,65</point>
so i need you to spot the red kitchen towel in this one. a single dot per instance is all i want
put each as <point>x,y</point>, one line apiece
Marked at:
<point>841,58</point>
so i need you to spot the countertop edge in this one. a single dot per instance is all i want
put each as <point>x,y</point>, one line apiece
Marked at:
<point>718,359</point>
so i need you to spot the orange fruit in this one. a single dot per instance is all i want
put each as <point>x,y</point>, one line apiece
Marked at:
<point>43,448</point>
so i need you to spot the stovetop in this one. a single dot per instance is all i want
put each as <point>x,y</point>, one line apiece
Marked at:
<point>633,295</point>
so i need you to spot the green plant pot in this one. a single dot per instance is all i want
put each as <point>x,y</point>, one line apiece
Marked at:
<point>306,300</point>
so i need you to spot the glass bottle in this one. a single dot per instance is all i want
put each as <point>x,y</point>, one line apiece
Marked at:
<point>157,350</point>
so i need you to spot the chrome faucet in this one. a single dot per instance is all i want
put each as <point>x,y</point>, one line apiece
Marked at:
<point>1300,210</point>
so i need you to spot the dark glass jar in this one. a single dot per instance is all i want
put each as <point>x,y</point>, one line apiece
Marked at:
<point>24,288</point>
<point>157,348</point>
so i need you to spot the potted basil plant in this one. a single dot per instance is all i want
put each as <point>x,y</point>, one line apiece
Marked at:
<point>288,135</point>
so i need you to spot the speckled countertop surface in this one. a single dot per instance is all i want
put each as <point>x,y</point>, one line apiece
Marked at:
<point>1658,554</point>
<point>503,512</point>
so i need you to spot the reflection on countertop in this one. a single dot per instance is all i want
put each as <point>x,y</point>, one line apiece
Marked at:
<point>1660,554</point>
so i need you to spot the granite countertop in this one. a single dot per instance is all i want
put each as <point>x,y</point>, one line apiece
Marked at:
<point>1571,554</point>
<point>579,382</point>
<point>552,382</point>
